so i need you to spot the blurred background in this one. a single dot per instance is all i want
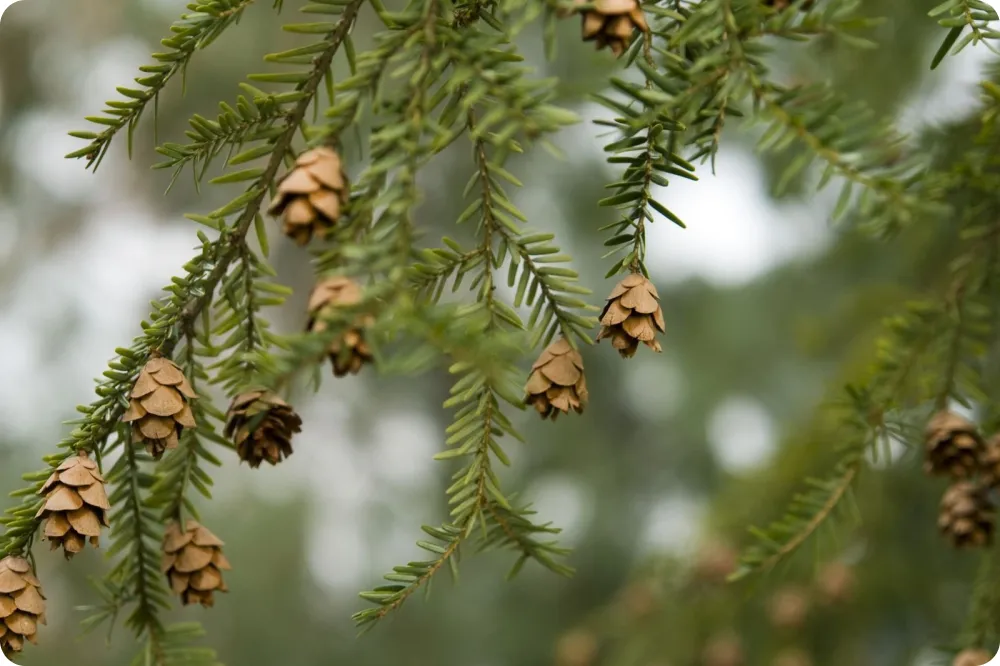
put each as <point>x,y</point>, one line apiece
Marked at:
<point>767,307</point>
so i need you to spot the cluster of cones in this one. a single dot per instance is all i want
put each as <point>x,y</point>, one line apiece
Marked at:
<point>954,448</point>
<point>311,198</point>
<point>631,315</point>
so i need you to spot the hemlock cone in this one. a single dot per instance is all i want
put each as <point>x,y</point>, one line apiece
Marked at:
<point>22,604</point>
<point>836,583</point>
<point>261,425</point>
<point>970,657</point>
<point>312,196</point>
<point>789,607</point>
<point>612,23</point>
<point>989,462</point>
<point>350,352</point>
<point>557,382</point>
<point>793,657</point>
<point>953,446</point>
<point>632,315</point>
<point>723,650</point>
<point>967,515</point>
<point>158,408</point>
<point>76,505</point>
<point>193,563</point>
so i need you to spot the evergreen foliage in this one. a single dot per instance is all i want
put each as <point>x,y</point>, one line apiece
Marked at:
<point>443,73</point>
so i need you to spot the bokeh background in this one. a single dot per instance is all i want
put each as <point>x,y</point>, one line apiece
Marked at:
<point>767,307</point>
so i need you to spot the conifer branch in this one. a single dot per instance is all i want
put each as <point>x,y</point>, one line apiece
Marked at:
<point>194,31</point>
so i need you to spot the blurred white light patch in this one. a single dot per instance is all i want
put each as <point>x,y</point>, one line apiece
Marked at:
<point>403,448</point>
<point>564,501</point>
<point>43,134</point>
<point>654,388</point>
<point>735,232</point>
<point>111,268</point>
<point>741,434</point>
<point>947,94</point>
<point>111,64</point>
<point>672,525</point>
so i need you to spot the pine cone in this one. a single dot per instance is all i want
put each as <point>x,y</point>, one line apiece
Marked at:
<point>789,607</point>
<point>953,446</point>
<point>612,23</point>
<point>22,605</point>
<point>723,650</point>
<point>351,351</point>
<point>989,462</point>
<point>714,562</point>
<point>966,515</point>
<point>76,505</point>
<point>159,406</point>
<point>836,583</point>
<point>261,425</point>
<point>632,315</point>
<point>557,383</point>
<point>577,648</point>
<point>312,196</point>
<point>793,657</point>
<point>193,562</point>
<point>972,657</point>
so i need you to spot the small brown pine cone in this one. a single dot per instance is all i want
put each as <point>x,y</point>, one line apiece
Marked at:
<point>193,562</point>
<point>612,23</point>
<point>989,462</point>
<point>22,605</point>
<point>351,351</point>
<point>557,382</point>
<point>632,315</point>
<point>577,648</point>
<point>312,196</point>
<point>793,657</point>
<point>261,425</point>
<point>789,607</point>
<point>952,446</point>
<point>836,583</point>
<point>781,4</point>
<point>714,562</point>
<point>723,650</point>
<point>158,407</point>
<point>76,505</point>
<point>967,515</point>
<point>972,657</point>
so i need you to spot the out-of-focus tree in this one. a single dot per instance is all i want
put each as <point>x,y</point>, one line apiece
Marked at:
<point>918,224</point>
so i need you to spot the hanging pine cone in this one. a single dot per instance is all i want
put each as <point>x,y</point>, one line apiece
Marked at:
<point>351,351</point>
<point>158,408</point>
<point>193,562</point>
<point>76,505</point>
<point>952,446</point>
<point>312,196</point>
<point>789,607</point>
<point>971,657</point>
<point>261,425</point>
<point>577,648</point>
<point>966,515</point>
<point>632,315</point>
<point>836,582</point>
<point>22,605</point>
<point>793,657</point>
<point>723,650</point>
<point>612,23</point>
<point>557,383</point>
<point>989,462</point>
